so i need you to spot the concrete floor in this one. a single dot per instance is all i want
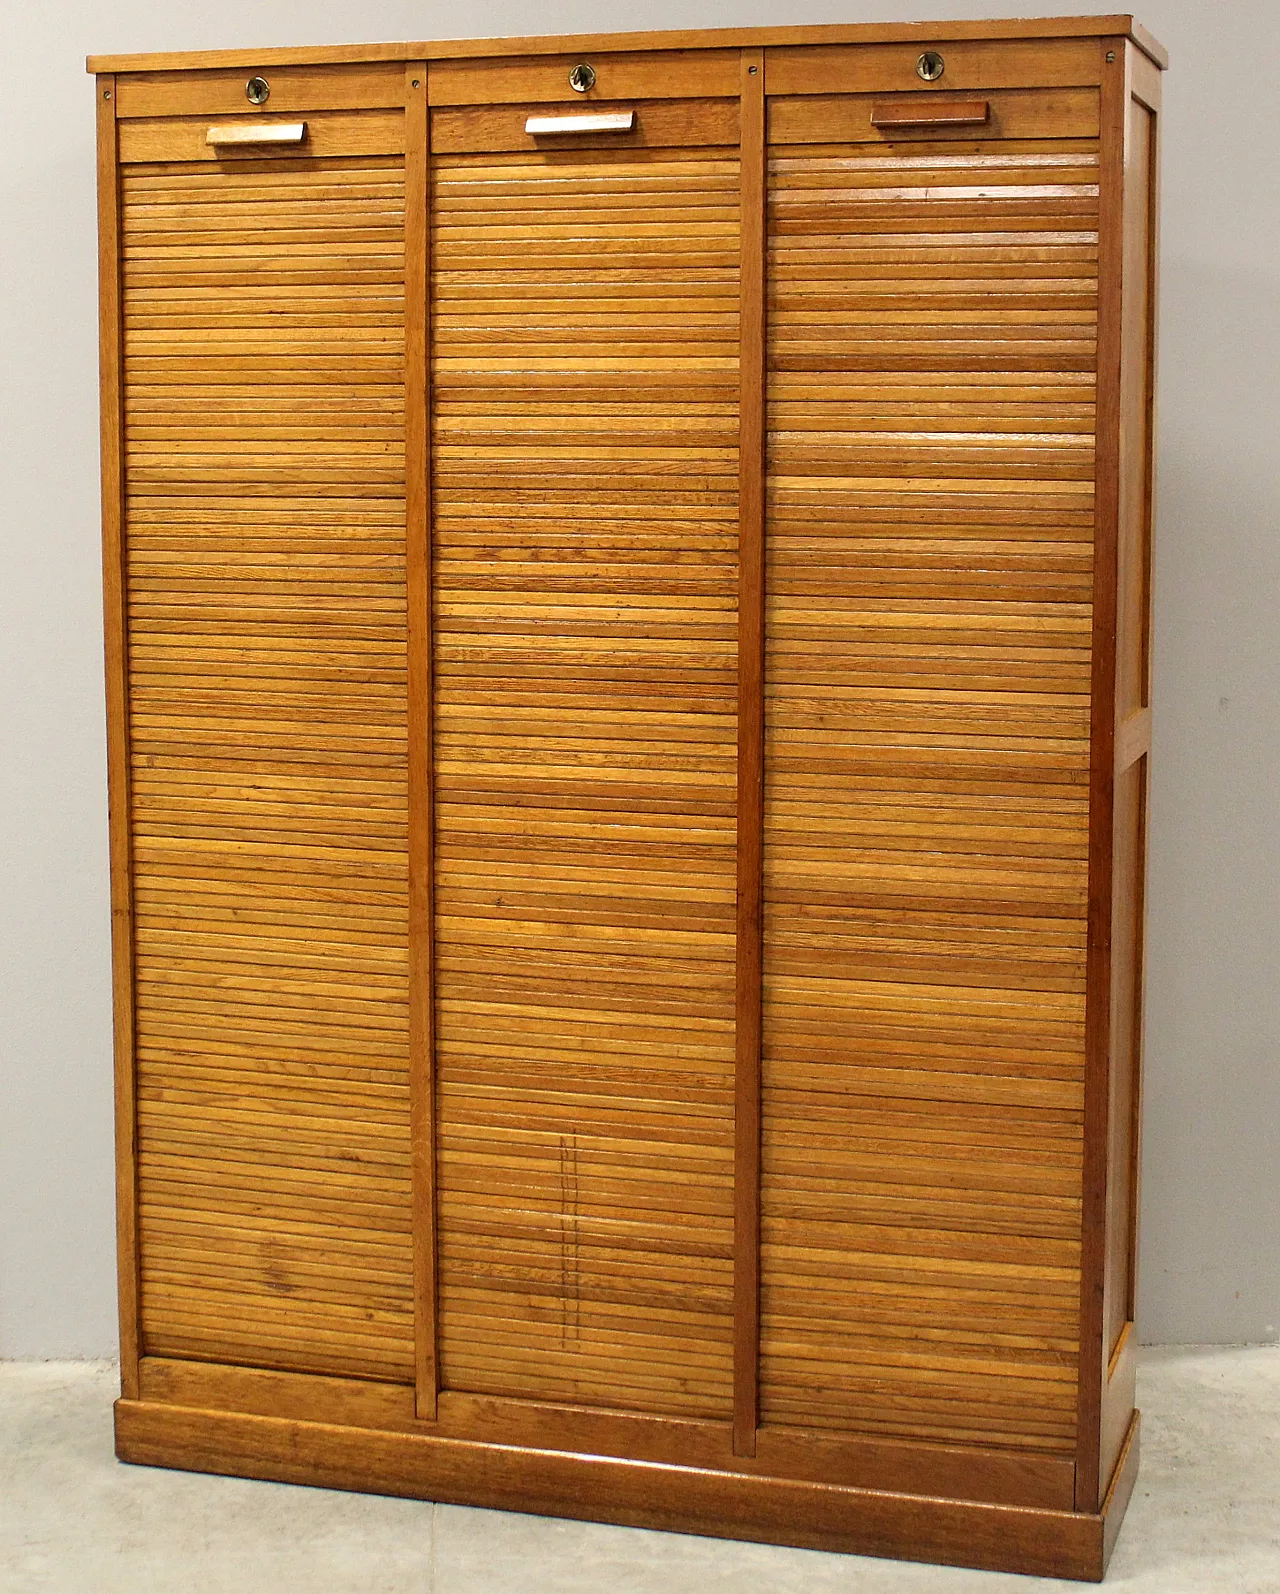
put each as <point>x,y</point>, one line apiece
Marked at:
<point>1205,1517</point>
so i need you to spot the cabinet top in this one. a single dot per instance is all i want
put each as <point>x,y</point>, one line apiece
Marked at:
<point>692,39</point>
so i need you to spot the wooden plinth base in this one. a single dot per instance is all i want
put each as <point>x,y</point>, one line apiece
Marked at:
<point>815,1516</point>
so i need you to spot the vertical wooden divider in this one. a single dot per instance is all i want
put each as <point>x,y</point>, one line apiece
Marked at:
<point>115,617</point>
<point>751,466</point>
<point>421,840</point>
<point>1092,1355</point>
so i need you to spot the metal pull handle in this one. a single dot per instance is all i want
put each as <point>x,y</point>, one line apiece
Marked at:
<point>929,112</point>
<point>257,133</point>
<point>599,122</point>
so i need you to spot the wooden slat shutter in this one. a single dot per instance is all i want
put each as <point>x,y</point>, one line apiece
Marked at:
<point>933,324</point>
<point>263,305</point>
<point>585,354</point>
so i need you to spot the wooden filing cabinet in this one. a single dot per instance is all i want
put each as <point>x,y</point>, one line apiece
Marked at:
<point>628,686</point>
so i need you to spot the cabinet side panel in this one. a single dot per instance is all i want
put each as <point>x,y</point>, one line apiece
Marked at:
<point>1132,758</point>
<point>117,704</point>
<point>931,415</point>
<point>585,493</point>
<point>264,372</point>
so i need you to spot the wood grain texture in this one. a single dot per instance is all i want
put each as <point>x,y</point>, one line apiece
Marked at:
<point>930,524</point>
<point>116,662</point>
<point>585,367</point>
<point>1011,113</point>
<point>970,64</point>
<point>328,134</point>
<point>265,462</point>
<point>603,1488</point>
<point>659,124</point>
<point>630,75</point>
<point>293,90</point>
<point>956,1471</point>
<point>921,34</point>
<point>266,1392</point>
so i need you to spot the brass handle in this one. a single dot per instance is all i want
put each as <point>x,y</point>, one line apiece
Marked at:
<point>257,133</point>
<point>599,122</point>
<point>928,112</point>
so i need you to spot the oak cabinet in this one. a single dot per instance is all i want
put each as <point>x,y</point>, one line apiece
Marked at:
<point>627,592</point>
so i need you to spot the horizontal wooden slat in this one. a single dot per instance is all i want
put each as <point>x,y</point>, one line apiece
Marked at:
<point>1014,113</point>
<point>329,134</point>
<point>638,74</point>
<point>970,64</point>
<point>470,128</point>
<point>356,87</point>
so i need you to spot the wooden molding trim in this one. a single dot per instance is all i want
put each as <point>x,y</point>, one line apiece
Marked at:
<point>1120,1489</point>
<point>1035,1542</point>
<point>679,39</point>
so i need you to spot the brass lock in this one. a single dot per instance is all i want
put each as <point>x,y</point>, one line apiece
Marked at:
<point>582,77</point>
<point>930,66</point>
<point>256,90</point>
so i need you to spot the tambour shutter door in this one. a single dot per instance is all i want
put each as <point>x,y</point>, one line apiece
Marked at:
<point>585,368</point>
<point>931,413</point>
<point>263,305</point>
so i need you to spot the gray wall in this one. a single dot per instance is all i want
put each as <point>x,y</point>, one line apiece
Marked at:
<point>1211,1218</point>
